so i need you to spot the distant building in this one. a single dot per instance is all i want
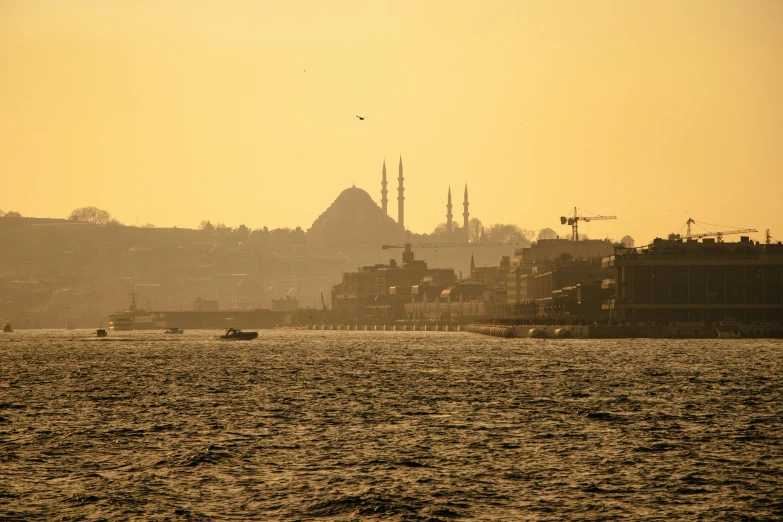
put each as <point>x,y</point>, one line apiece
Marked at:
<point>494,278</point>
<point>285,304</point>
<point>381,291</point>
<point>676,281</point>
<point>205,305</point>
<point>545,254</point>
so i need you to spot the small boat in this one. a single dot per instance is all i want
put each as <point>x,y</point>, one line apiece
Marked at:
<point>728,329</point>
<point>174,330</point>
<point>100,332</point>
<point>7,328</point>
<point>234,334</point>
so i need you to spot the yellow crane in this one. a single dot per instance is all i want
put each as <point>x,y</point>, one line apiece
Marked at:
<point>718,235</point>
<point>574,221</point>
<point>407,254</point>
<point>440,245</point>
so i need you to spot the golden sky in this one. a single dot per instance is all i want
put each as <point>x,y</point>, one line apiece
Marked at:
<point>171,112</point>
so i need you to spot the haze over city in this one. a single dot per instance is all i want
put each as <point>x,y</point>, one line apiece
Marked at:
<point>245,112</point>
<point>391,260</point>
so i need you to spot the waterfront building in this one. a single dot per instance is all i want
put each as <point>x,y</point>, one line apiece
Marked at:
<point>285,304</point>
<point>681,281</point>
<point>494,278</point>
<point>379,292</point>
<point>545,254</point>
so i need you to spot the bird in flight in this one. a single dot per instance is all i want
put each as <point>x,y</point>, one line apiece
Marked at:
<point>360,117</point>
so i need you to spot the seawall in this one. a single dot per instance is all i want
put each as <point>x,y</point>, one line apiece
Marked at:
<point>684,331</point>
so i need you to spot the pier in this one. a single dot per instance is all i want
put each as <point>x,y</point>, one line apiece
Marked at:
<point>394,327</point>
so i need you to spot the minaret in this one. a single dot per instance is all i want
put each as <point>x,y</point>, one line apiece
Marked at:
<point>400,200</point>
<point>448,214</point>
<point>466,214</point>
<point>384,192</point>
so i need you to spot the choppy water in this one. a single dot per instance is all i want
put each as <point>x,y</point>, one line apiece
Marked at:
<point>388,425</point>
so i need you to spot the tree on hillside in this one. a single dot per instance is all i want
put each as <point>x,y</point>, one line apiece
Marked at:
<point>474,229</point>
<point>628,242</point>
<point>11,214</point>
<point>92,215</point>
<point>206,225</point>
<point>242,231</point>
<point>442,229</point>
<point>547,233</point>
<point>509,234</point>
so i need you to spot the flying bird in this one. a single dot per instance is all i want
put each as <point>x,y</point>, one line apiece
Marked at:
<point>360,117</point>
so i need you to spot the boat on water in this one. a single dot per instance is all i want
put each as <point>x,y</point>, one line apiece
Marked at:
<point>100,332</point>
<point>134,318</point>
<point>7,328</point>
<point>174,330</point>
<point>728,329</point>
<point>235,334</point>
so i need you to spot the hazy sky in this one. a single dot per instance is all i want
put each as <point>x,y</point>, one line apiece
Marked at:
<point>244,112</point>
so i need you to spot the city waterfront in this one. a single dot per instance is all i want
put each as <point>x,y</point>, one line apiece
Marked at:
<point>388,425</point>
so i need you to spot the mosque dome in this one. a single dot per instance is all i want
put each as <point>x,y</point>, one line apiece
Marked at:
<point>354,194</point>
<point>353,219</point>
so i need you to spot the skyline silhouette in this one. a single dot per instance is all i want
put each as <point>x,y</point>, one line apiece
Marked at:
<point>655,113</point>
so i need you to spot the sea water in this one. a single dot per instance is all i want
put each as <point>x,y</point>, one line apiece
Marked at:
<point>303,425</point>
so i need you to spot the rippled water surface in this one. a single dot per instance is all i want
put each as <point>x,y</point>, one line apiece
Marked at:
<point>303,425</point>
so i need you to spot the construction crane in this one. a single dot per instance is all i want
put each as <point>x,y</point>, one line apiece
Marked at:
<point>440,245</point>
<point>574,222</point>
<point>718,235</point>
<point>407,255</point>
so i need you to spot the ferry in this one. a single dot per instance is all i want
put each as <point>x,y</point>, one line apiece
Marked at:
<point>134,318</point>
<point>729,329</point>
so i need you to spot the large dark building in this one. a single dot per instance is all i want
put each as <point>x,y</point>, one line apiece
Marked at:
<point>545,255</point>
<point>381,291</point>
<point>676,281</point>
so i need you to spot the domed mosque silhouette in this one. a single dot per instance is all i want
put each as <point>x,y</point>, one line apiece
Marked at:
<point>353,220</point>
